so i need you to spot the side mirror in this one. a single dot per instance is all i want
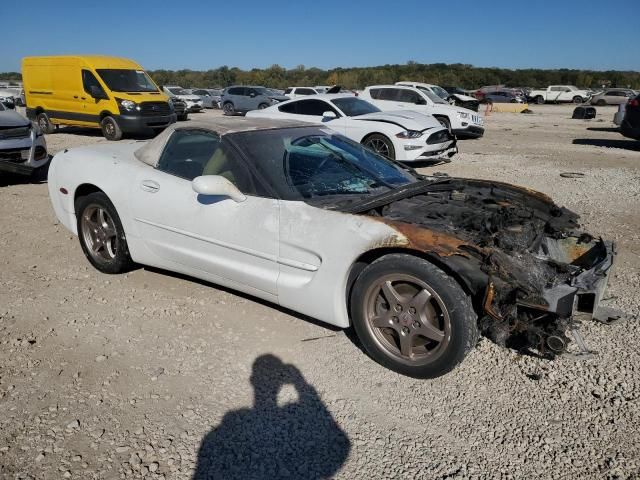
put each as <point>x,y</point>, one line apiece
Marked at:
<point>329,115</point>
<point>217,185</point>
<point>97,92</point>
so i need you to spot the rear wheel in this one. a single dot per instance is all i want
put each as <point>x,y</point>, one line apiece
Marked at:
<point>412,317</point>
<point>110,129</point>
<point>540,100</point>
<point>601,102</point>
<point>228,108</point>
<point>44,123</point>
<point>101,234</point>
<point>381,145</point>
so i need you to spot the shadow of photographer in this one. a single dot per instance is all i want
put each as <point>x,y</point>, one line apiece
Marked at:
<point>299,440</point>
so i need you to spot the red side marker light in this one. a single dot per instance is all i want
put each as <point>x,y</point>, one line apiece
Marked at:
<point>64,190</point>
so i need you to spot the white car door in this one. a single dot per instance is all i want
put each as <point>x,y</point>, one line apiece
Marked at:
<point>236,242</point>
<point>312,110</point>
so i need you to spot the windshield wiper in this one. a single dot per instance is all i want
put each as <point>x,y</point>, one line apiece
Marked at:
<point>398,193</point>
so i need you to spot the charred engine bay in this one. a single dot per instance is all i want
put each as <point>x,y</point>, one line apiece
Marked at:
<point>508,255</point>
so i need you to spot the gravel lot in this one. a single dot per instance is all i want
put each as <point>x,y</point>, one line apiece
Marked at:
<point>158,376</point>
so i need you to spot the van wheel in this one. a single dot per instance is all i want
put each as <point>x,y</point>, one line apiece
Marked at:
<point>44,123</point>
<point>183,117</point>
<point>110,129</point>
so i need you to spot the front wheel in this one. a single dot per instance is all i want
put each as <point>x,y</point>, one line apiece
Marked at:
<point>262,106</point>
<point>110,129</point>
<point>101,234</point>
<point>228,108</point>
<point>380,145</point>
<point>601,102</point>
<point>577,99</point>
<point>412,317</point>
<point>540,100</point>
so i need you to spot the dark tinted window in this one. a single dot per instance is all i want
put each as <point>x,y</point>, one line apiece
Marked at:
<point>200,92</point>
<point>314,107</point>
<point>389,94</point>
<point>89,80</point>
<point>235,91</point>
<point>288,91</point>
<point>289,107</point>
<point>375,93</point>
<point>354,106</point>
<point>409,96</point>
<point>305,91</point>
<point>192,153</point>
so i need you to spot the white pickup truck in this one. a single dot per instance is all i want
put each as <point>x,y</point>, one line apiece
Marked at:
<point>559,93</point>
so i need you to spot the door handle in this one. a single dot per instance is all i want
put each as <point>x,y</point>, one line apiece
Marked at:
<point>83,98</point>
<point>150,186</point>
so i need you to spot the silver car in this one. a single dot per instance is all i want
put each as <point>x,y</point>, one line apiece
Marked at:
<point>22,145</point>
<point>613,96</point>
<point>211,97</point>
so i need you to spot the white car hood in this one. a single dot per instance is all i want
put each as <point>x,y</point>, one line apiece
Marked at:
<point>407,119</point>
<point>463,98</point>
<point>193,98</point>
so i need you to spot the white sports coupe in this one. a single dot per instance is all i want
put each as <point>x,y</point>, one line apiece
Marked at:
<point>303,217</point>
<point>404,136</point>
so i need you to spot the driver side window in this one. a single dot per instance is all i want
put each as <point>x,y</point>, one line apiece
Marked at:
<point>89,80</point>
<point>192,153</point>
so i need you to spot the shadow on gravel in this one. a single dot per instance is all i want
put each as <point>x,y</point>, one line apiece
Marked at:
<point>298,440</point>
<point>604,129</point>
<point>632,145</point>
<point>38,176</point>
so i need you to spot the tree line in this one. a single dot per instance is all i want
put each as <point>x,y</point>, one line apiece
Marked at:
<point>460,75</point>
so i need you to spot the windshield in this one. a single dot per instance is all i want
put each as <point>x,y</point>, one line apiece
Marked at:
<point>178,91</point>
<point>262,91</point>
<point>309,162</point>
<point>441,92</point>
<point>432,96</point>
<point>352,106</point>
<point>121,80</point>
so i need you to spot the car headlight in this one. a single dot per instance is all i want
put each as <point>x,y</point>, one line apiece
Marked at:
<point>409,134</point>
<point>463,115</point>
<point>127,105</point>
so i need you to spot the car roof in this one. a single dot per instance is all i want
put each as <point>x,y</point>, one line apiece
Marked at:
<point>150,152</point>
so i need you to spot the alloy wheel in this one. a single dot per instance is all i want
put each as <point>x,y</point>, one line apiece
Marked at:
<point>379,146</point>
<point>408,319</point>
<point>99,233</point>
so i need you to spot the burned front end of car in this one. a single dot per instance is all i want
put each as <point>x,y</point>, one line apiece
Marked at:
<point>528,268</point>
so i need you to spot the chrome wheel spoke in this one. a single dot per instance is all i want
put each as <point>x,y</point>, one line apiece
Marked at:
<point>383,321</point>
<point>419,302</point>
<point>429,331</point>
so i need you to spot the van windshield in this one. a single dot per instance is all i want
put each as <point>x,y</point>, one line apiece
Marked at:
<point>122,80</point>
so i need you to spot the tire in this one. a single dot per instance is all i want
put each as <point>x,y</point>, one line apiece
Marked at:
<point>428,302</point>
<point>577,99</point>
<point>183,117</point>
<point>601,102</point>
<point>44,123</point>
<point>110,129</point>
<point>540,100</point>
<point>444,121</point>
<point>262,106</point>
<point>101,234</point>
<point>228,108</point>
<point>381,145</point>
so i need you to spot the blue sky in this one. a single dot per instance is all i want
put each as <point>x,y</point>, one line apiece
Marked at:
<point>326,33</point>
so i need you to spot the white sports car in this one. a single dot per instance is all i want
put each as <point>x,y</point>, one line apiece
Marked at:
<point>305,218</point>
<point>404,136</point>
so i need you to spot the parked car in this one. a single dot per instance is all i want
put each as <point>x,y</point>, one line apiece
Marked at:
<point>613,96</point>
<point>194,102</point>
<point>295,92</point>
<point>461,121</point>
<point>7,99</point>
<point>630,126</point>
<point>211,97</point>
<point>309,220</point>
<point>180,108</point>
<point>110,93</point>
<point>23,148</point>
<point>13,90</point>
<point>242,99</point>
<point>559,94</point>
<point>503,96</point>
<point>459,99</point>
<point>403,136</point>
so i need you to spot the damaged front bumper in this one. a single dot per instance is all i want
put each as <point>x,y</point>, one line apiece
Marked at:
<point>543,321</point>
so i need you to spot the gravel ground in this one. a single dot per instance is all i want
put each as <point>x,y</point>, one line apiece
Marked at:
<point>155,375</point>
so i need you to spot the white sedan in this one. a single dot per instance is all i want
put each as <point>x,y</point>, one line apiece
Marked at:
<point>404,136</point>
<point>303,217</point>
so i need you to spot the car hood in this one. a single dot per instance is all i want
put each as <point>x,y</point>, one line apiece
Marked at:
<point>407,119</point>
<point>464,98</point>
<point>11,118</point>
<point>194,98</point>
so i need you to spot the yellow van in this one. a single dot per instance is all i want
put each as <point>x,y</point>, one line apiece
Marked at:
<point>114,94</point>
